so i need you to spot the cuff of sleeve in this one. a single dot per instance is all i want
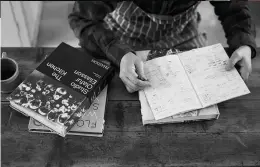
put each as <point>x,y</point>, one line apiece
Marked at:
<point>116,51</point>
<point>240,39</point>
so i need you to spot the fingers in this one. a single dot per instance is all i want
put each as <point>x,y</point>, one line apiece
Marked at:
<point>131,69</point>
<point>235,57</point>
<point>130,87</point>
<point>241,56</point>
<point>133,84</point>
<point>137,82</point>
<point>140,70</point>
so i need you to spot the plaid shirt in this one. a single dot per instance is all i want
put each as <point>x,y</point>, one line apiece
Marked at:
<point>114,28</point>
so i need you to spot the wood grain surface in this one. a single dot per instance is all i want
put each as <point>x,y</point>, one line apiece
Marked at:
<point>232,140</point>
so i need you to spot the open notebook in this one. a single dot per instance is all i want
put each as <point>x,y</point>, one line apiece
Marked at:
<point>191,80</point>
<point>207,113</point>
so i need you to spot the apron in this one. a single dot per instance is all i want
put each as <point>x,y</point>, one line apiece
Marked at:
<point>139,29</point>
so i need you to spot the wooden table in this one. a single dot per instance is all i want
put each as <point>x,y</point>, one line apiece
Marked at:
<point>232,140</point>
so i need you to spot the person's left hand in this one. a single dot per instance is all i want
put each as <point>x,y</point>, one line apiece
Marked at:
<point>242,57</point>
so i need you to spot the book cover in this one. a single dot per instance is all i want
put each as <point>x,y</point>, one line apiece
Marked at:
<point>90,124</point>
<point>208,113</point>
<point>65,80</point>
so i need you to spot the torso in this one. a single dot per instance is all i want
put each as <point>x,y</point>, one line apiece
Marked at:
<point>145,24</point>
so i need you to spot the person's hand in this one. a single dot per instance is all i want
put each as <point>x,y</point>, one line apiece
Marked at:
<point>132,73</point>
<point>242,57</point>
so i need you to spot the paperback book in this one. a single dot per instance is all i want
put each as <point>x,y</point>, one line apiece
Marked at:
<point>65,80</point>
<point>90,124</point>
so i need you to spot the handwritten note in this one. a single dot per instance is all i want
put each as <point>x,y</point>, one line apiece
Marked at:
<point>213,84</point>
<point>171,91</point>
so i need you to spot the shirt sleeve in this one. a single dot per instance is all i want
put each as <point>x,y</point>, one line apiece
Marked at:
<point>237,23</point>
<point>87,23</point>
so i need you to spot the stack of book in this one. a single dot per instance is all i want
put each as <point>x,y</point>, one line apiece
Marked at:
<point>187,86</point>
<point>65,94</point>
<point>90,124</point>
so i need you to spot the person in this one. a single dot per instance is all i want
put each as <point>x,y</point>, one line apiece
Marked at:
<point>116,29</point>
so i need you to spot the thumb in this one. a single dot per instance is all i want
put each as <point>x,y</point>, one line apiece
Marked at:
<point>233,60</point>
<point>140,69</point>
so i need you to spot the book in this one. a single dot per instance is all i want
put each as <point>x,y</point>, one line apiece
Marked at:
<point>191,80</point>
<point>90,124</point>
<point>208,113</point>
<point>65,80</point>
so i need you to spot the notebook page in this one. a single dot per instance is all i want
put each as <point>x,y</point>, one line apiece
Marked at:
<point>206,69</point>
<point>171,91</point>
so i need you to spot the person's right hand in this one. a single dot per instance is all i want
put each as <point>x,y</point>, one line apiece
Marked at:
<point>132,73</point>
